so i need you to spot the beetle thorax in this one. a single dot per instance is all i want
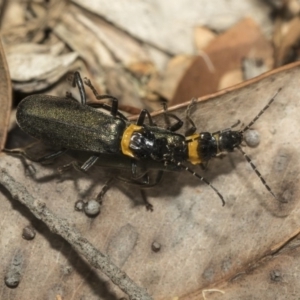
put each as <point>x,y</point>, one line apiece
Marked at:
<point>228,140</point>
<point>145,145</point>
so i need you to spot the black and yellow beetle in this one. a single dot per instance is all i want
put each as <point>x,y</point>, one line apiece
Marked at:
<point>77,126</point>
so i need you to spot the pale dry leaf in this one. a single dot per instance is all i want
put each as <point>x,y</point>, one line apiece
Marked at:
<point>29,48</point>
<point>13,16</point>
<point>253,67</point>
<point>73,32</point>
<point>230,78</point>
<point>169,25</point>
<point>203,36</point>
<point>200,242</point>
<point>131,50</point>
<point>264,280</point>
<point>35,66</point>
<point>158,57</point>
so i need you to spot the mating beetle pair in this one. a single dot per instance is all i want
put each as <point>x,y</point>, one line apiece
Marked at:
<point>72,125</point>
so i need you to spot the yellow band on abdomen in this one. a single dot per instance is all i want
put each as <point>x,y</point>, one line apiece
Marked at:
<point>126,139</point>
<point>193,156</point>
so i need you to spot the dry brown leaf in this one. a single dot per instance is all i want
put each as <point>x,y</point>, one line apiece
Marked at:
<point>167,83</point>
<point>286,37</point>
<point>201,244</point>
<point>275,276</point>
<point>5,97</point>
<point>223,55</point>
<point>203,36</point>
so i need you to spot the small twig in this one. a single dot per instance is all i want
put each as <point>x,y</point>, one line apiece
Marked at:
<point>70,234</point>
<point>211,291</point>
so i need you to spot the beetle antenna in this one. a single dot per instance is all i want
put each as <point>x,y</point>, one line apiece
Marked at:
<point>261,112</point>
<point>179,164</point>
<point>256,171</point>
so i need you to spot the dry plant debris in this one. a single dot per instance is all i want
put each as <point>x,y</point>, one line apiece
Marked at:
<point>220,64</point>
<point>81,245</point>
<point>5,98</point>
<point>201,245</point>
<point>189,247</point>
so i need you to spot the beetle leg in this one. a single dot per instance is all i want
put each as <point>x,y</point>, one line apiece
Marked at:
<point>142,116</point>
<point>173,127</point>
<point>235,124</point>
<point>77,81</point>
<point>179,122</point>
<point>177,125</point>
<point>101,97</point>
<point>107,186</point>
<point>114,101</point>
<point>133,168</point>
<point>51,156</point>
<point>145,179</point>
<point>107,107</point>
<point>148,205</point>
<point>137,172</point>
<point>73,164</point>
<point>204,165</point>
<point>89,163</point>
<point>144,183</point>
<point>193,127</point>
<point>23,153</point>
<point>113,109</point>
<point>82,168</point>
<point>145,112</point>
<point>104,189</point>
<point>18,151</point>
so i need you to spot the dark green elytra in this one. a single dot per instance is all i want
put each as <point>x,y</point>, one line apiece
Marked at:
<point>66,123</point>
